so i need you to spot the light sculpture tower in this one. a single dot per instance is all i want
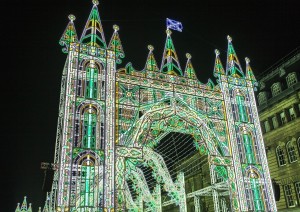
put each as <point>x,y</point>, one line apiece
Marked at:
<point>110,120</point>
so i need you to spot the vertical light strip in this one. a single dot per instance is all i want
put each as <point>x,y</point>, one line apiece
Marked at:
<point>109,163</point>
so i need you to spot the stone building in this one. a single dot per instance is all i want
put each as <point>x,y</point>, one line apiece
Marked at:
<point>279,106</point>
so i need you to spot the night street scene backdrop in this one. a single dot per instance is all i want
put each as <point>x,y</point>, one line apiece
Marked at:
<point>264,31</point>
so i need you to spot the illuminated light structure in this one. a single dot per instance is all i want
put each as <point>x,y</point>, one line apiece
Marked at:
<point>111,119</point>
<point>24,207</point>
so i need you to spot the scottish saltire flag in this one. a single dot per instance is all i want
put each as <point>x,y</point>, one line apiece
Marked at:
<point>175,25</point>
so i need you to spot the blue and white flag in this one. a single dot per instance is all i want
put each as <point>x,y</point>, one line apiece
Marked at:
<point>175,25</point>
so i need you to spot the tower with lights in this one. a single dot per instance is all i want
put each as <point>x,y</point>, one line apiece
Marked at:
<point>111,118</point>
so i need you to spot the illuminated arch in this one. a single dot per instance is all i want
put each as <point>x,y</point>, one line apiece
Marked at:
<point>83,109</point>
<point>248,148</point>
<point>90,79</point>
<point>164,111</point>
<point>254,186</point>
<point>241,110</point>
<point>88,179</point>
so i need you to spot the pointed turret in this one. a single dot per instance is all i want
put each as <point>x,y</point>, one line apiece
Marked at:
<point>116,45</point>
<point>93,34</point>
<point>46,207</point>
<point>170,63</point>
<point>151,64</point>
<point>233,66</point>
<point>69,34</point>
<point>249,72</point>
<point>24,204</point>
<point>189,69</point>
<point>218,69</point>
<point>29,209</point>
<point>210,84</point>
<point>18,208</point>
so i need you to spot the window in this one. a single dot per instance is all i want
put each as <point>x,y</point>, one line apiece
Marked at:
<point>276,88</point>
<point>291,79</point>
<point>282,117</point>
<point>289,195</point>
<point>275,122</point>
<point>291,150</point>
<point>262,97</point>
<point>267,126</point>
<point>297,186</point>
<point>292,113</point>
<point>280,156</point>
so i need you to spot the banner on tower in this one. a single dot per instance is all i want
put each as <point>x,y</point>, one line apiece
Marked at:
<point>175,25</point>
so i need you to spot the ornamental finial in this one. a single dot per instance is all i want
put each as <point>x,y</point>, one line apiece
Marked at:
<point>247,60</point>
<point>229,38</point>
<point>95,2</point>
<point>151,48</point>
<point>71,17</point>
<point>169,32</point>
<point>116,27</point>
<point>217,52</point>
<point>188,55</point>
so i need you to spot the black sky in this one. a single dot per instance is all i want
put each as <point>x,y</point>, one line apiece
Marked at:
<point>32,61</point>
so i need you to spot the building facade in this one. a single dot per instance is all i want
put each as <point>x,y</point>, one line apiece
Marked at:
<point>279,105</point>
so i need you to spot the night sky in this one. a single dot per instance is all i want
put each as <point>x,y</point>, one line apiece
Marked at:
<point>32,62</point>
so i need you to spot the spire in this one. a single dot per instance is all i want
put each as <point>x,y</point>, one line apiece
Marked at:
<point>40,209</point>
<point>189,69</point>
<point>24,204</point>
<point>170,62</point>
<point>218,69</point>
<point>151,64</point>
<point>46,208</point>
<point>69,34</point>
<point>233,65</point>
<point>210,84</point>
<point>249,72</point>
<point>18,208</point>
<point>116,45</point>
<point>29,209</point>
<point>93,32</point>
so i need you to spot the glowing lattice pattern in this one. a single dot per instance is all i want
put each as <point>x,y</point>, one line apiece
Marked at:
<point>111,122</point>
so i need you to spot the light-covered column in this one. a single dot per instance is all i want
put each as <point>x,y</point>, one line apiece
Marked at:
<point>214,192</point>
<point>109,150</point>
<point>181,192</point>
<point>197,204</point>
